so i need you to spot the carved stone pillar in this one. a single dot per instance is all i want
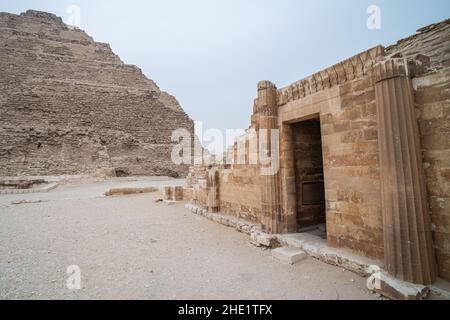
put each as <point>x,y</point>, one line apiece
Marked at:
<point>267,118</point>
<point>212,187</point>
<point>408,249</point>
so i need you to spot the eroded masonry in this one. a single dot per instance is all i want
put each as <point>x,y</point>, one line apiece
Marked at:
<point>69,105</point>
<point>364,151</point>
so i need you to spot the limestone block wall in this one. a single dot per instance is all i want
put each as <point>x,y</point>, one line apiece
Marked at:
<point>240,192</point>
<point>69,105</point>
<point>433,102</point>
<point>195,190</point>
<point>200,194</point>
<point>196,173</point>
<point>351,165</point>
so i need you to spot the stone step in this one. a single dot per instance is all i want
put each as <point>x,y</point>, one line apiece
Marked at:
<point>288,255</point>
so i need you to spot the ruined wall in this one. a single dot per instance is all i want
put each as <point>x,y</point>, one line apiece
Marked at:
<point>432,95</point>
<point>309,172</point>
<point>433,98</point>
<point>69,105</point>
<point>195,189</point>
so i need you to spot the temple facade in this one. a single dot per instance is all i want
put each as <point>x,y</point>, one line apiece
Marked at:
<point>360,151</point>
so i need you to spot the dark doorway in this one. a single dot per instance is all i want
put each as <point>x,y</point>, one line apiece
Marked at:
<point>309,176</point>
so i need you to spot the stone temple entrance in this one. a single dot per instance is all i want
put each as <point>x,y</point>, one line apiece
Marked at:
<point>309,176</point>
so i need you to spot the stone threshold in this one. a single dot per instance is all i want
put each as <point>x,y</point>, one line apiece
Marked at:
<point>315,247</point>
<point>318,248</point>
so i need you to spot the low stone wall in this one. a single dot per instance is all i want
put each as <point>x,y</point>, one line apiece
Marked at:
<point>43,188</point>
<point>127,191</point>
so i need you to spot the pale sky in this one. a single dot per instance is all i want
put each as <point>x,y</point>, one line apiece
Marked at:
<point>211,54</point>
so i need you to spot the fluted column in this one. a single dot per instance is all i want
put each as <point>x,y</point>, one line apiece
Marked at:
<point>213,200</point>
<point>408,250</point>
<point>267,117</point>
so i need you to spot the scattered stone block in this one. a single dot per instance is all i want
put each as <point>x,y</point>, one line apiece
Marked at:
<point>440,290</point>
<point>166,192</point>
<point>127,191</point>
<point>388,286</point>
<point>177,193</point>
<point>288,255</point>
<point>261,239</point>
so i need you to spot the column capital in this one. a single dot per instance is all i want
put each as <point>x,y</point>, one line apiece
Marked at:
<point>400,67</point>
<point>264,85</point>
<point>267,102</point>
<point>391,68</point>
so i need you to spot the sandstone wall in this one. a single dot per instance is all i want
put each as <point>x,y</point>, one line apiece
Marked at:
<point>69,105</point>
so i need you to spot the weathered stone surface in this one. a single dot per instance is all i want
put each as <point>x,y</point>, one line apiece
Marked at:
<point>288,255</point>
<point>262,239</point>
<point>318,248</point>
<point>127,191</point>
<point>267,121</point>
<point>213,200</point>
<point>227,220</point>
<point>69,105</point>
<point>392,288</point>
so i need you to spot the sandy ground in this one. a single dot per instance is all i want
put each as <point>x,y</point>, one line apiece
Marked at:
<point>130,247</point>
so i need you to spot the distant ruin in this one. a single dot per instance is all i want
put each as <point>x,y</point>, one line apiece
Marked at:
<point>69,105</point>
